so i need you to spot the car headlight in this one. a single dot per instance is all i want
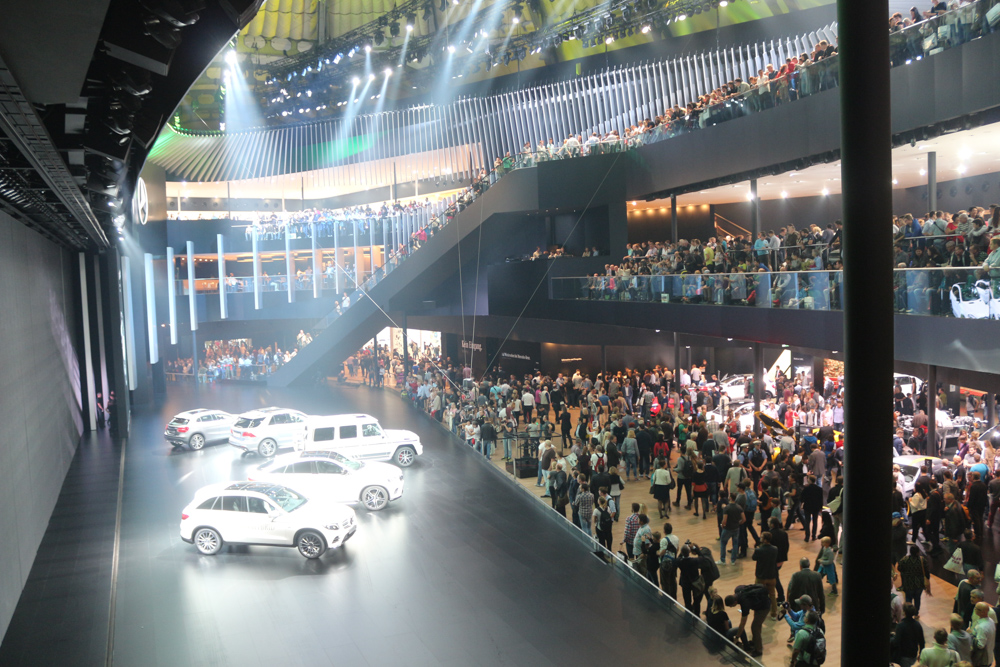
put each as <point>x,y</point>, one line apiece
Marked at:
<point>332,526</point>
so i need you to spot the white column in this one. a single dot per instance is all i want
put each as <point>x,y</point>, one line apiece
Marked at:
<point>172,294</point>
<point>223,303</point>
<point>128,313</point>
<point>88,360</point>
<point>256,272</point>
<point>289,265</point>
<point>151,333</point>
<point>336,257</point>
<point>317,265</point>
<point>192,289</point>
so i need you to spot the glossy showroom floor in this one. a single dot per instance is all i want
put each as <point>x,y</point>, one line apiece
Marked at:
<point>464,570</point>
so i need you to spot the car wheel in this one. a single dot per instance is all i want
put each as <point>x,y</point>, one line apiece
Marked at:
<point>267,448</point>
<point>208,541</point>
<point>197,441</point>
<point>311,544</point>
<point>374,498</point>
<point>405,456</point>
<point>768,395</point>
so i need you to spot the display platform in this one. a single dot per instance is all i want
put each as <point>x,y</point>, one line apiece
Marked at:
<point>464,570</point>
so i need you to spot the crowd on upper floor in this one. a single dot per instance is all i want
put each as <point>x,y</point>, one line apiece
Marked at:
<point>274,225</point>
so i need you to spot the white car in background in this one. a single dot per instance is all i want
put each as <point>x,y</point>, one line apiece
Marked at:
<point>743,413</point>
<point>361,437</point>
<point>196,427</point>
<point>266,430</point>
<point>735,387</point>
<point>332,476</point>
<point>264,514</point>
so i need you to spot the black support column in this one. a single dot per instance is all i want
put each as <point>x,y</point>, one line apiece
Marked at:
<point>866,172</point>
<point>754,210</point>
<point>758,381</point>
<point>931,389</point>
<point>673,218</point>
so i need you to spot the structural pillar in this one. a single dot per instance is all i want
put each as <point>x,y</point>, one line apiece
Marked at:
<point>931,388</point>
<point>357,260</point>
<point>172,295</point>
<point>673,218</point>
<point>406,351</point>
<point>317,265</point>
<point>385,244</point>
<point>336,257</point>
<point>754,210</point>
<point>932,180</point>
<point>289,267</point>
<point>89,381</point>
<point>153,342</point>
<point>604,364</point>
<point>371,245</point>
<point>866,173</point>
<point>256,270</point>
<point>758,381</point>
<point>192,287</point>
<point>990,409</point>
<point>677,361</point>
<point>223,304</point>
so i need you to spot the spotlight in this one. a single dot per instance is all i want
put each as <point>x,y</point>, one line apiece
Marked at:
<point>388,72</point>
<point>681,17</point>
<point>368,48</point>
<point>379,38</point>
<point>724,3</point>
<point>451,49</point>
<point>428,12</point>
<point>231,57</point>
<point>609,39</point>
<point>411,22</point>
<point>394,29</point>
<point>371,77</point>
<point>515,20</point>
<point>338,58</point>
<point>355,81</point>
<point>645,29</point>
<point>443,7</point>
<point>350,54</point>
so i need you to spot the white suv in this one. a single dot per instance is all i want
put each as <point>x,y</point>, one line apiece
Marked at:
<point>332,476</point>
<point>264,514</point>
<point>264,431</point>
<point>361,437</point>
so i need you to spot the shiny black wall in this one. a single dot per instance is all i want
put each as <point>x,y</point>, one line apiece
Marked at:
<point>41,405</point>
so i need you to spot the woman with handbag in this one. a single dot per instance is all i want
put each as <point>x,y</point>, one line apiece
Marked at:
<point>700,487</point>
<point>691,580</point>
<point>914,577</point>
<point>661,481</point>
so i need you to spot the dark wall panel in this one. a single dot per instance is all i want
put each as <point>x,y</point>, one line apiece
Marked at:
<point>41,406</point>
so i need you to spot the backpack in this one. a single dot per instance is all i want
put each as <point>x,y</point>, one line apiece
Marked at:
<point>756,597</point>
<point>605,522</point>
<point>816,648</point>
<point>751,501</point>
<point>600,461</point>
<point>710,570</point>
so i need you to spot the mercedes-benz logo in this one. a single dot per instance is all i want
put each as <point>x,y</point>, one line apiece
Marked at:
<point>140,203</point>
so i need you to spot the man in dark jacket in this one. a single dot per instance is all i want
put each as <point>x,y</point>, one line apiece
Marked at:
<point>766,572</point>
<point>806,582</point>
<point>978,502</point>
<point>935,512</point>
<point>779,538</point>
<point>645,442</point>
<point>812,505</point>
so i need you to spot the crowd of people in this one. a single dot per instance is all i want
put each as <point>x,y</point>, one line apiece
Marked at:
<point>274,225</point>
<point>235,359</point>
<point>585,438</point>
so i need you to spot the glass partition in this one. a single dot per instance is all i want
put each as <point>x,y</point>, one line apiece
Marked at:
<point>965,292</point>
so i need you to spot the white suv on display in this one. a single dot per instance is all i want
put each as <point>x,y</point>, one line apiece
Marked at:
<point>361,437</point>
<point>264,431</point>
<point>196,427</point>
<point>264,514</point>
<point>332,476</point>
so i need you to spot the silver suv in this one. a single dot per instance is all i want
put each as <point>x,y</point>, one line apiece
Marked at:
<point>196,427</point>
<point>265,431</point>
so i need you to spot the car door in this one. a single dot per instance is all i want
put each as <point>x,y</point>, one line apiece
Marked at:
<point>337,482</point>
<point>349,442</point>
<point>301,476</point>
<point>296,428</point>
<point>264,522</point>
<point>234,519</point>
<point>373,441</point>
<point>220,426</point>
<point>278,428</point>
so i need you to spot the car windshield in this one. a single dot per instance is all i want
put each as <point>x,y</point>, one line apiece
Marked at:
<point>909,472</point>
<point>246,422</point>
<point>346,461</point>
<point>287,499</point>
<point>180,421</point>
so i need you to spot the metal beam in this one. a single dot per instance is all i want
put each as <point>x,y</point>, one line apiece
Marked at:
<point>22,125</point>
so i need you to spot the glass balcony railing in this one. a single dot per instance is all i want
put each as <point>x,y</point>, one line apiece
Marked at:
<point>964,292</point>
